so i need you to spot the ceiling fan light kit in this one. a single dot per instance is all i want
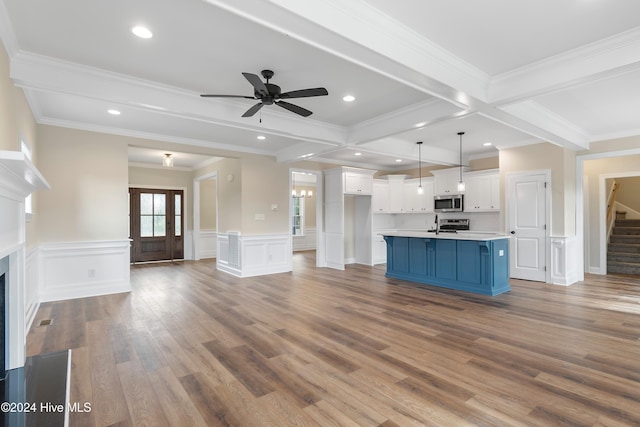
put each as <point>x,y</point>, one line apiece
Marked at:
<point>269,94</point>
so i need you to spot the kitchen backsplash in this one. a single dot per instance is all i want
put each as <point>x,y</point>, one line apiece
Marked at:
<point>478,221</point>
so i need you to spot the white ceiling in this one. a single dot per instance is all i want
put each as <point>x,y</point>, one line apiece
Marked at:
<point>509,72</point>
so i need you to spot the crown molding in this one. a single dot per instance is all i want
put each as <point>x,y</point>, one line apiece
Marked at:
<point>405,150</point>
<point>152,166</point>
<point>598,60</point>
<point>153,137</point>
<point>614,135</point>
<point>537,115</point>
<point>206,163</point>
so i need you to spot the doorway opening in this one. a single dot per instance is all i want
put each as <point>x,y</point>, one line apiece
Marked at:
<point>156,224</point>
<point>305,216</point>
<point>205,216</point>
<point>619,209</point>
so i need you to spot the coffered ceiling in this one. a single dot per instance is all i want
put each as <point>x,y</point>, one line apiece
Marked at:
<point>506,72</point>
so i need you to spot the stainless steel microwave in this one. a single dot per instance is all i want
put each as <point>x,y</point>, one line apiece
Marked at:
<point>448,203</point>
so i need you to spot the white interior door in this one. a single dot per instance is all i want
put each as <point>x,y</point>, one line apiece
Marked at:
<point>527,223</point>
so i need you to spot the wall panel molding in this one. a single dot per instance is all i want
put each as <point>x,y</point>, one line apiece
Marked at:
<point>256,255</point>
<point>84,269</point>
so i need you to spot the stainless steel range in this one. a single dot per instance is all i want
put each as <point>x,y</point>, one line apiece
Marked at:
<point>450,225</point>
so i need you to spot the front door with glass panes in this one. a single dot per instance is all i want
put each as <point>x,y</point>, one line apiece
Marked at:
<point>156,224</point>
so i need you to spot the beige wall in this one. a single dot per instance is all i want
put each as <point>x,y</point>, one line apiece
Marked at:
<point>629,192</point>
<point>229,173</point>
<point>485,163</point>
<point>166,178</point>
<point>16,119</point>
<point>474,165</point>
<point>561,163</point>
<point>264,183</point>
<point>88,176</point>
<point>17,123</point>
<point>208,204</point>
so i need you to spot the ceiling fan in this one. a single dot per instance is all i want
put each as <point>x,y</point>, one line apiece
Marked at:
<point>268,94</point>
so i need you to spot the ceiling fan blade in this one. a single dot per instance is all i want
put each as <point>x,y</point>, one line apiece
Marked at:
<point>206,95</point>
<point>304,93</point>
<point>294,108</point>
<point>251,111</point>
<point>257,83</point>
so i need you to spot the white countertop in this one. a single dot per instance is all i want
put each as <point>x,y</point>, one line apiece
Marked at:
<point>461,235</point>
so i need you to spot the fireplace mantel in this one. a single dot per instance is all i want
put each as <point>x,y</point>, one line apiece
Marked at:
<point>18,176</point>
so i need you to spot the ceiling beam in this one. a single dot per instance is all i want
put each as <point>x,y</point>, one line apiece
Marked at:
<point>344,29</point>
<point>38,73</point>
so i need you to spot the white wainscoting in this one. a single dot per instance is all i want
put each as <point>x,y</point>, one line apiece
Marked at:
<point>256,255</point>
<point>31,285</point>
<point>306,242</point>
<point>83,269</point>
<point>208,243</point>
<point>564,260</point>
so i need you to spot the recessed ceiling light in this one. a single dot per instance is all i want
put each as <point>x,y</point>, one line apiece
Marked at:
<point>113,112</point>
<point>357,154</point>
<point>348,98</point>
<point>261,137</point>
<point>142,32</point>
<point>486,144</point>
<point>398,160</point>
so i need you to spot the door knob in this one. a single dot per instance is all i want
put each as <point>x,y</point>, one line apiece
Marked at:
<point>513,232</point>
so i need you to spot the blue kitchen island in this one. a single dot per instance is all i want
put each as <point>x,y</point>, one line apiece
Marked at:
<point>471,262</point>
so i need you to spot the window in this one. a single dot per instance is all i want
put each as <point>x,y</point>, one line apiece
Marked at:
<point>28,201</point>
<point>153,215</point>
<point>177,208</point>
<point>297,215</point>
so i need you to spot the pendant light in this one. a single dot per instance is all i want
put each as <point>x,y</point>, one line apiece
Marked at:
<point>461,185</point>
<point>420,189</point>
<point>167,161</point>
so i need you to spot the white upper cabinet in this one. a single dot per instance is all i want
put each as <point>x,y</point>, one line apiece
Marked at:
<point>358,182</point>
<point>482,191</point>
<point>446,181</point>
<point>396,193</point>
<point>418,203</point>
<point>380,197</point>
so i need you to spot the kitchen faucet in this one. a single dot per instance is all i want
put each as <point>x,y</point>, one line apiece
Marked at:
<point>437,225</point>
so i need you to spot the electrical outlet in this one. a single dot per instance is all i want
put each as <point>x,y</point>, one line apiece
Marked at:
<point>92,272</point>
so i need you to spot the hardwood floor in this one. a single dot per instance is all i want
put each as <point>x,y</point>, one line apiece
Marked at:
<point>319,347</point>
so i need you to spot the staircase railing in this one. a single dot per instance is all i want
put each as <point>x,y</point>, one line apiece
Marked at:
<point>611,201</point>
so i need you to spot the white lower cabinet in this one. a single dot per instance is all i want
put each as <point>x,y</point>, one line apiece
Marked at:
<point>379,249</point>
